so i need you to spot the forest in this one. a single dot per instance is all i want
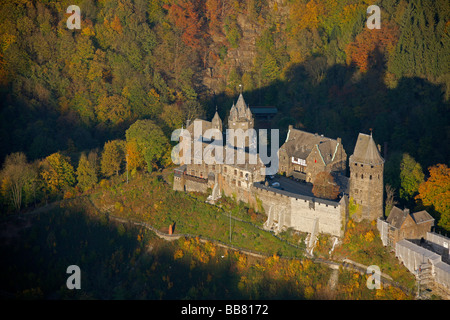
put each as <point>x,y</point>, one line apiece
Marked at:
<point>77,106</point>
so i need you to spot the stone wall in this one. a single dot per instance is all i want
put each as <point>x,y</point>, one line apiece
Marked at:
<point>193,184</point>
<point>304,214</point>
<point>440,244</point>
<point>366,188</point>
<point>414,257</point>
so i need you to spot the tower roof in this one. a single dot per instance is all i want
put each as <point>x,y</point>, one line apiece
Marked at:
<point>366,151</point>
<point>243,111</point>
<point>216,118</point>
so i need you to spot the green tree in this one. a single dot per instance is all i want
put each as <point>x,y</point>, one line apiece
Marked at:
<point>112,157</point>
<point>151,142</point>
<point>411,176</point>
<point>86,173</point>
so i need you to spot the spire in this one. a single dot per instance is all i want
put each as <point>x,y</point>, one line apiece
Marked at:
<point>241,107</point>
<point>366,151</point>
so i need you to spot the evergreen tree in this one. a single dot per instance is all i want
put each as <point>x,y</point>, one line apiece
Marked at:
<point>86,173</point>
<point>112,157</point>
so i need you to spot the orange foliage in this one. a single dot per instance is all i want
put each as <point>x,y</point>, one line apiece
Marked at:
<point>186,18</point>
<point>361,50</point>
<point>116,25</point>
<point>436,192</point>
<point>213,7</point>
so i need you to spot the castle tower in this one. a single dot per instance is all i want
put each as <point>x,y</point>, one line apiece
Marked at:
<point>366,178</point>
<point>240,118</point>
<point>216,122</point>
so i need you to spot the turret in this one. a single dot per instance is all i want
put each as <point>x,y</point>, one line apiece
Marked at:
<point>366,178</point>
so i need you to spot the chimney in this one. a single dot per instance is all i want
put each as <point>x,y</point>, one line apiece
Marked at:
<point>379,148</point>
<point>406,211</point>
<point>290,127</point>
<point>188,122</point>
<point>339,140</point>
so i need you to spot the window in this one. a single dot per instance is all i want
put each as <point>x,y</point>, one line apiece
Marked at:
<point>356,175</point>
<point>370,177</point>
<point>241,174</point>
<point>235,172</point>
<point>362,176</point>
<point>225,169</point>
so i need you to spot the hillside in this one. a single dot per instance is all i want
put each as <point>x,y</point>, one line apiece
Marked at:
<point>125,261</point>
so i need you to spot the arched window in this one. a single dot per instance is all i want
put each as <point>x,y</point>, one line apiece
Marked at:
<point>362,176</point>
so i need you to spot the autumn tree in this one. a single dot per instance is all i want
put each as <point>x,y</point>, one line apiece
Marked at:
<point>325,187</point>
<point>112,157</point>
<point>18,179</point>
<point>411,176</point>
<point>151,143</point>
<point>370,42</point>
<point>86,173</point>
<point>185,15</point>
<point>113,109</point>
<point>435,192</point>
<point>57,173</point>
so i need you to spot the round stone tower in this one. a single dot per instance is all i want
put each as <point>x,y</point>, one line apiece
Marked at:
<point>366,179</point>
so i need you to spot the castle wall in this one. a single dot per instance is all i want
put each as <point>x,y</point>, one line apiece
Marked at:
<point>330,218</point>
<point>193,184</point>
<point>303,214</point>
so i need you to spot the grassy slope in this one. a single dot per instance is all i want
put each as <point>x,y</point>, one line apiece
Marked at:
<point>148,198</point>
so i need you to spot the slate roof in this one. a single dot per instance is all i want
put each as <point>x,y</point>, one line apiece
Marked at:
<point>421,216</point>
<point>240,110</point>
<point>397,217</point>
<point>216,119</point>
<point>264,110</point>
<point>205,126</point>
<point>299,144</point>
<point>366,151</point>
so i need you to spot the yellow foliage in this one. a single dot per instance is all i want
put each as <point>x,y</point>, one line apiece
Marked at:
<point>369,236</point>
<point>178,254</point>
<point>306,264</point>
<point>309,292</point>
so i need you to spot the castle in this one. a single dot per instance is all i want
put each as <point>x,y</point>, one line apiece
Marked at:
<point>288,203</point>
